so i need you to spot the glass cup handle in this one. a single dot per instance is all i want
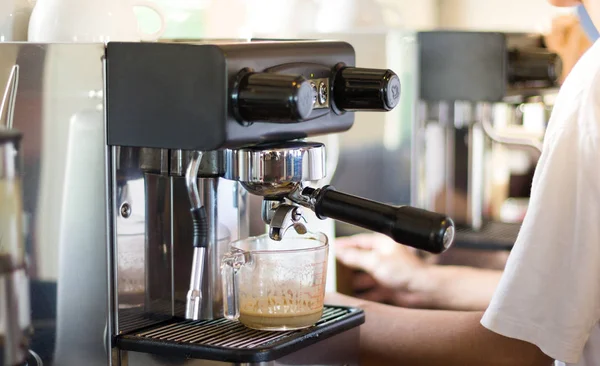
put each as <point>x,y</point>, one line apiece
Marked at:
<point>150,37</point>
<point>231,264</point>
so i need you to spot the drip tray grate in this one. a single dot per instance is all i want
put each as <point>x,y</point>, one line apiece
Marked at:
<point>229,341</point>
<point>493,236</point>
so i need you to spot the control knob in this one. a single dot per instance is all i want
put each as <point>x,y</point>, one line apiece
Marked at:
<point>358,89</point>
<point>270,97</point>
<point>534,66</point>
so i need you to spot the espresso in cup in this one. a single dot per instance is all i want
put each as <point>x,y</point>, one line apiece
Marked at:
<point>281,312</point>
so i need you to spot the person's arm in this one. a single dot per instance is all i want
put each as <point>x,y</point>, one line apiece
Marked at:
<point>454,287</point>
<point>397,336</point>
<point>395,273</point>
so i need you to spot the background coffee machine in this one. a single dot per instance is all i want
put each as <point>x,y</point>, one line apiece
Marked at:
<point>409,147</point>
<point>473,91</point>
<point>412,147</point>
<point>121,139</point>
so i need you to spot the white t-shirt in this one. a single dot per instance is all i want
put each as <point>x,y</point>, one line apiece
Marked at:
<point>549,294</point>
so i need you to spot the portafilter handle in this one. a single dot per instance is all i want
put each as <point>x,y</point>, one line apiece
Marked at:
<point>414,227</point>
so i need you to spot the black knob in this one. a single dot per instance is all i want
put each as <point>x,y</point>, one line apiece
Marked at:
<point>421,229</point>
<point>357,89</point>
<point>269,97</point>
<point>534,66</point>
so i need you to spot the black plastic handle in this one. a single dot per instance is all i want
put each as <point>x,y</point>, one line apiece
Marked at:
<point>357,89</point>
<point>200,225</point>
<point>421,229</point>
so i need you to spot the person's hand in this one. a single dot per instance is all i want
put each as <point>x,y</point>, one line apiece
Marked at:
<point>392,272</point>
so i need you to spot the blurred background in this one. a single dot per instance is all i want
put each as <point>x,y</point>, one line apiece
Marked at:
<point>478,77</point>
<point>238,18</point>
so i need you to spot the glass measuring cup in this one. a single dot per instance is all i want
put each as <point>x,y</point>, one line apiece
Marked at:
<point>275,285</point>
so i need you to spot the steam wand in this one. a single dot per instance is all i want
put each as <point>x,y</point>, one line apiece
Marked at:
<point>200,224</point>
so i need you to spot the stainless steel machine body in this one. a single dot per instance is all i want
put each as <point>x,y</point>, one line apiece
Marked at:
<point>110,132</point>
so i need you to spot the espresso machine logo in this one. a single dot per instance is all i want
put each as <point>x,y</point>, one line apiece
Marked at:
<point>395,92</point>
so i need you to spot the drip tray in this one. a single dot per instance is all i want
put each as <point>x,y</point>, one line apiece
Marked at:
<point>229,341</point>
<point>493,236</point>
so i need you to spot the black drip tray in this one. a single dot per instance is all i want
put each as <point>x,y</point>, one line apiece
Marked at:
<point>492,236</point>
<point>229,341</point>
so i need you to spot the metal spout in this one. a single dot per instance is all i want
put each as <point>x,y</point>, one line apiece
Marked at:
<point>194,295</point>
<point>286,217</point>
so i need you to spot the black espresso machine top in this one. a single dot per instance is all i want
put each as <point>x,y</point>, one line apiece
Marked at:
<point>484,66</point>
<point>213,96</point>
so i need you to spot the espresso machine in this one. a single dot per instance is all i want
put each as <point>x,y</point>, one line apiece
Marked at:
<point>472,90</point>
<point>138,162</point>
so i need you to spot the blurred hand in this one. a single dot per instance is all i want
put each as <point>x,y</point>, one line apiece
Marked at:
<point>396,275</point>
<point>391,270</point>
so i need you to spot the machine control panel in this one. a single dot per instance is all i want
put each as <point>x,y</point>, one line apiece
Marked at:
<point>215,96</point>
<point>288,98</point>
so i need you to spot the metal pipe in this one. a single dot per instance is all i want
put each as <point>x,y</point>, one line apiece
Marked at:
<point>485,111</point>
<point>194,295</point>
<point>191,179</point>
